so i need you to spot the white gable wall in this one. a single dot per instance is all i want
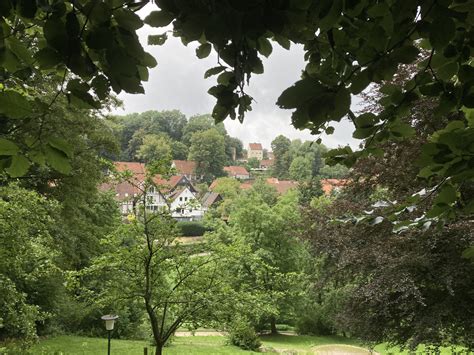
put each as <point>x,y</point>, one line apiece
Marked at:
<point>186,206</point>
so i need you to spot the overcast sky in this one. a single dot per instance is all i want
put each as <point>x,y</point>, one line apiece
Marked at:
<point>178,83</point>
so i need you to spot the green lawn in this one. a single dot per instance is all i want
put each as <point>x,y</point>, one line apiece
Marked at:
<point>196,345</point>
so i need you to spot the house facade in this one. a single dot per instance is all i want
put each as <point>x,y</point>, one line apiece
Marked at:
<point>255,151</point>
<point>185,205</point>
<point>238,172</point>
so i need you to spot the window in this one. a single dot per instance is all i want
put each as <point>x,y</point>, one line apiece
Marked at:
<point>181,199</point>
<point>185,199</point>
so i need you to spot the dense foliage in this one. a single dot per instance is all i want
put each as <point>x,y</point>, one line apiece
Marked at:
<point>409,287</point>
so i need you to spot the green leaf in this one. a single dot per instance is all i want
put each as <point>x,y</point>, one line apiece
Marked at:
<point>332,16</point>
<point>47,58</point>
<point>447,195</point>
<point>149,60</point>
<point>99,37</point>
<point>468,253</point>
<point>14,105</point>
<point>99,12</point>
<point>157,40</point>
<point>406,54</point>
<point>203,50</point>
<point>366,120</point>
<point>128,19</point>
<point>359,82</point>
<point>447,71</point>
<point>257,66</point>
<point>362,133</point>
<point>8,147</point>
<point>159,18</point>
<point>27,8</point>
<point>402,129</point>
<point>79,90</point>
<point>20,50</point>
<point>213,71</point>
<point>466,73</point>
<point>55,33</point>
<point>342,104</point>
<point>282,41</point>
<point>329,130</point>
<point>225,77</point>
<point>57,159</point>
<point>101,86</point>
<point>143,73</point>
<point>442,31</point>
<point>378,10</point>
<point>264,46</point>
<point>18,167</point>
<point>62,145</point>
<point>299,93</point>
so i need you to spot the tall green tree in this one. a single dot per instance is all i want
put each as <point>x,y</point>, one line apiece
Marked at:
<point>281,151</point>
<point>301,169</point>
<point>155,147</point>
<point>278,258</point>
<point>30,274</point>
<point>208,151</point>
<point>200,123</point>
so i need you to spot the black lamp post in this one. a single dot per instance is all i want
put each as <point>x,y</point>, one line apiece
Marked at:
<point>109,325</point>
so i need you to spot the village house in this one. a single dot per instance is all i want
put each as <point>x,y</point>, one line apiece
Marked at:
<point>185,206</point>
<point>255,151</point>
<point>266,164</point>
<point>210,199</point>
<point>238,172</point>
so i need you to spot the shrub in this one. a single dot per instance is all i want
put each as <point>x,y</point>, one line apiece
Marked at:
<point>243,335</point>
<point>314,322</point>
<point>191,229</point>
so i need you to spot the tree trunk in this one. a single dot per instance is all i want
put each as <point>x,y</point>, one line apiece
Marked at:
<point>273,328</point>
<point>159,350</point>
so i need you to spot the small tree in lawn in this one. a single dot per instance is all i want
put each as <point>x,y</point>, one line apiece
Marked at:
<point>144,261</point>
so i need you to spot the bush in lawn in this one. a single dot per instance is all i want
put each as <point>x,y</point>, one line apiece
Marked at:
<point>243,335</point>
<point>314,321</point>
<point>191,229</point>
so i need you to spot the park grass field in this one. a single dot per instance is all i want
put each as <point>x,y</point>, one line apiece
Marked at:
<point>196,345</point>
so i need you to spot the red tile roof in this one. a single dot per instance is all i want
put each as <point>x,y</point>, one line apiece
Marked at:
<point>282,186</point>
<point>266,162</point>
<point>123,190</point>
<point>135,168</point>
<point>185,167</point>
<point>235,170</point>
<point>255,146</point>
